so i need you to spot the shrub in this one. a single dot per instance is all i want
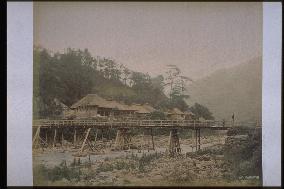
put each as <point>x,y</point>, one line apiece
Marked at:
<point>40,175</point>
<point>62,171</point>
<point>104,167</point>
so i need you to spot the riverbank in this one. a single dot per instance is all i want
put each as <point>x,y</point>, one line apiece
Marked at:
<point>207,167</point>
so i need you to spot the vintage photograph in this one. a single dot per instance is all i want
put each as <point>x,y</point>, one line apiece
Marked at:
<point>147,94</point>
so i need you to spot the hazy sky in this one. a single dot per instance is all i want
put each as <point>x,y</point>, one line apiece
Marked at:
<point>198,37</point>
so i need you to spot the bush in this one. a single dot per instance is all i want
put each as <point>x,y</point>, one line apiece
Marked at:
<point>243,153</point>
<point>146,160</point>
<point>40,174</point>
<point>62,171</point>
<point>124,165</point>
<point>104,167</point>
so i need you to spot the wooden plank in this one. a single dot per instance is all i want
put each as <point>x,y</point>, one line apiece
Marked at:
<point>199,139</point>
<point>46,140</point>
<point>36,135</point>
<point>84,142</point>
<point>62,138</point>
<point>75,137</point>
<point>153,145</point>
<point>54,138</point>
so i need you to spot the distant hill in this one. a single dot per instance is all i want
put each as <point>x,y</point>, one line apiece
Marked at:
<point>237,89</point>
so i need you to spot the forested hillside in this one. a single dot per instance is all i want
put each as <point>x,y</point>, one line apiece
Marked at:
<point>233,90</point>
<point>71,75</point>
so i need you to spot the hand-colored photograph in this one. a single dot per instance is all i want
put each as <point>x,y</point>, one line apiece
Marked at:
<point>147,94</point>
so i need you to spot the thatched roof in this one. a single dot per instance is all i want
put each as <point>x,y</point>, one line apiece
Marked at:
<point>90,100</point>
<point>149,107</point>
<point>143,109</point>
<point>95,100</point>
<point>119,106</point>
<point>61,104</point>
<point>188,112</point>
<point>175,111</point>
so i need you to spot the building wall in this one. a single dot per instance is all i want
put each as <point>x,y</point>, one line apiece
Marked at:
<point>176,116</point>
<point>189,117</point>
<point>86,112</point>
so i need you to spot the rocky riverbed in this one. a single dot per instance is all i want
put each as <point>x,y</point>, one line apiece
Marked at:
<point>140,168</point>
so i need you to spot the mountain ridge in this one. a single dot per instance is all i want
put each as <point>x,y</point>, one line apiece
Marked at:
<point>234,90</point>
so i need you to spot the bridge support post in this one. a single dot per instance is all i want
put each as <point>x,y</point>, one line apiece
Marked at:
<point>75,137</point>
<point>148,139</point>
<point>54,138</point>
<point>62,138</point>
<point>102,131</point>
<point>46,138</point>
<point>199,139</point>
<point>123,139</point>
<point>37,139</point>
<point>84,142</point>
<point>152,136</point>
<point>174,144</point>
<point>195,139</point>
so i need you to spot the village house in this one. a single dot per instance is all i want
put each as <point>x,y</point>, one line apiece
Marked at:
<point>189,115</point>
<point>65,110</point>
<point>141,111</point>
<point>175,113</point>
<point>92,106</point>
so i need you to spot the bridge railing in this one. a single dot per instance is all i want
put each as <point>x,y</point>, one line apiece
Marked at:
<point>142,123</point>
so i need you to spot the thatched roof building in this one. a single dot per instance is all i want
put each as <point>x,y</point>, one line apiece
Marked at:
<point>175,111</point>
<point>143,109</point>
<point>189,115</point>
<point>93,105</point>
<point>91,100</point>
<point>61,104</point>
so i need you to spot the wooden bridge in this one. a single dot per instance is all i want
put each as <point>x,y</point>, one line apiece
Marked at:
<point>190,124</point>
<point>43,128</point>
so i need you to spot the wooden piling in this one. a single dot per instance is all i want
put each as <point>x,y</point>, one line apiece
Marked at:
<point>199,139</point>
<point>62,138</point>
<point>143,141</point>
<point>36,137</point>
<point>54,138</point>
<point>123,139</point>
<point>96,135</point>
<point>46,139</point>
<point>174,145</point>
<point>75,137</point>
<point>153,145</point>
<point>84,142</point>
<point>196,139</point>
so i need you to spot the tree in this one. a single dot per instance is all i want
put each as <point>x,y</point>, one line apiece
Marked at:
<point>201,111</point>
<point>158,82</point>
<point>126,73</point>
<point>140,80</point>
<point>71,75</point>
<point>171,76</point>
<point>87,59</point>
<point>176,87</point>
<point>66,76</point>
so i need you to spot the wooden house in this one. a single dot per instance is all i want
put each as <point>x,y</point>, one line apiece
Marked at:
<point>189,115</point>
<point>65,109</point>
<point>92,106</point>
<point>175,114</point>
<point>142,111</point>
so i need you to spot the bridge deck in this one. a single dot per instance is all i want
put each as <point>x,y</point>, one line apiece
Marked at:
<point>192,124</point>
